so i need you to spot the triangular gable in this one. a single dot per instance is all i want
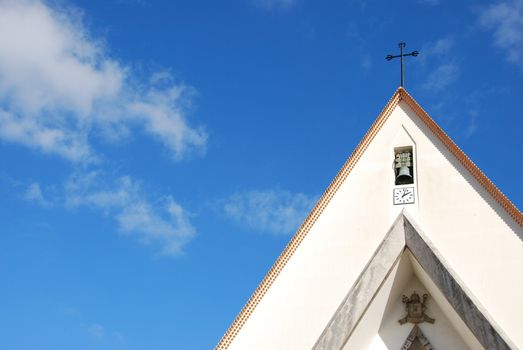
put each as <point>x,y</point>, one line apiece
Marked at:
<point>404,235</point>
<point>400,95</point>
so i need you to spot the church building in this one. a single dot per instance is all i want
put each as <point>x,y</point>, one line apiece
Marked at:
<point>410,247</point>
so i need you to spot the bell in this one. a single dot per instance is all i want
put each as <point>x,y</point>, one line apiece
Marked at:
<point>404,176</point>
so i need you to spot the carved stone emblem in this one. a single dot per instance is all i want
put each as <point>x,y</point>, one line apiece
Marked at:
<point>415,309</point>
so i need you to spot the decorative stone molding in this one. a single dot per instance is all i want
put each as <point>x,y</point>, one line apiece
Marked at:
<point>353,307</point>
<point>415,307</point>
<point>416,341</point>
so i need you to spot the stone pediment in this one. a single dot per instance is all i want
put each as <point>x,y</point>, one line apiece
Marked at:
<point>404,236</point>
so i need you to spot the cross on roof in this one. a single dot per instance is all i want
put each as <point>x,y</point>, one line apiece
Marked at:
<point>401,55</point>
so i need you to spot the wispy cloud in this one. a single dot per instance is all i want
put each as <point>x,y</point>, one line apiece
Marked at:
<point>472,125</point>
<point>366,62</point>
<point>96,331</point>
<point>101,332</point>
<point>34,194</point>
<point>441,77</point>
<point>162,222</point>
<point>59,89</point>
<point>359,45</point>
<point>274,5</point>
<point>441,48</point>
<point>472,118</point>
<point>443,70</point>
<point>272,211</point>
<point>104,335</point>
<point>505,18</point>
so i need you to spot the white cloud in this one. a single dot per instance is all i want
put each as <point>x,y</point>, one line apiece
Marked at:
<point>172,228</point>
<point>366,62</point>
<point>274,211</point>
<point>441,77</point>
<point>119,336</point>
<point>96,331</point>
<point>443,69</point>
<point>437,52</point>
<point>59,88</point>
<point>162,223</point>
<point>88,189</point>
<point>506,20</point>
<point>472,125</point>
<point>101,333</point>
<point>34,194</point>
<point>161,112</point>
<point>441,47</point>
<point>274,4</point>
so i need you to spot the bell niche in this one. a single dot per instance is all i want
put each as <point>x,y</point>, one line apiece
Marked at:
<point>403,166</point>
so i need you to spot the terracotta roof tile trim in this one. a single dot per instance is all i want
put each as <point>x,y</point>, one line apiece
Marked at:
<point>484,181</point>
<point>306,226</point>
<point>298,237</point>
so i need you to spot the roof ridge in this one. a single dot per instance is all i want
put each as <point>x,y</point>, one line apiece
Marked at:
<point>483,180</point>
<point>302,231</point>
<point>399,95</point>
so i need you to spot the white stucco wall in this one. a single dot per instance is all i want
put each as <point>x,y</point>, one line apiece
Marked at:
<point>467,226</point>
<point>475,236</point>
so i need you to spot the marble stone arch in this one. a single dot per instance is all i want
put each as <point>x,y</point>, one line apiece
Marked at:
<point>416,341</point>
<point>402,235</point>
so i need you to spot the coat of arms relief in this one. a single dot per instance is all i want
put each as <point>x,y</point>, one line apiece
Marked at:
<point>416,307</point>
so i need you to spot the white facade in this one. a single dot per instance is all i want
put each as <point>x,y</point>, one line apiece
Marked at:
<point>477,237</point>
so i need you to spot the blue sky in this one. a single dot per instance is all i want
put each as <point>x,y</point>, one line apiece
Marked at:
<point>158,155</point>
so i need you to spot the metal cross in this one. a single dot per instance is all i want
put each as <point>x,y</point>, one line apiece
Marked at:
<point>401,55</point>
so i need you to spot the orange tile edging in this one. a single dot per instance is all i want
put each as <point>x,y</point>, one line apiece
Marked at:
<point>484,181</point>
<point>399,95</point>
